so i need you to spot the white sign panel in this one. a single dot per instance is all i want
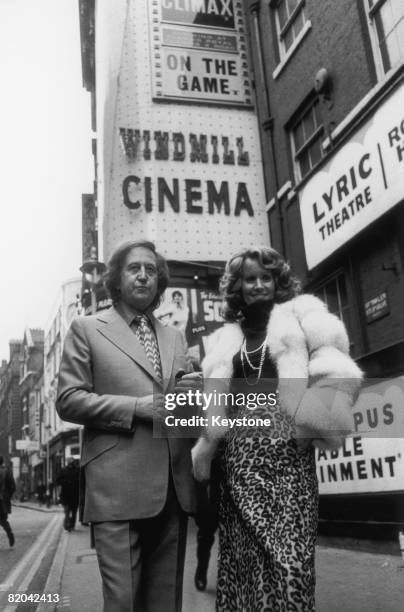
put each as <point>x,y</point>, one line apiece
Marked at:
<point>373,459</point>
<point>27,445</point>
<point>22,444</point>
<point>204,183</point>
<point>201,76</point>
<point>199,51</point>
<point>362,181</point>
<point>363,465</point>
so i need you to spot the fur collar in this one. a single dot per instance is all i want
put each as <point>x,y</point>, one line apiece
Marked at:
<point>310,348</point>
<point>296,329</point>
<point>308,345</point>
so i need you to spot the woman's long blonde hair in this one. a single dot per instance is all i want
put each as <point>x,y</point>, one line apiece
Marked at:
<point>286,285</point>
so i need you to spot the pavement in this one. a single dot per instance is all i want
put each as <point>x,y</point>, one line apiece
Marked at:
<point>347,580</point>
<point>356,581</point>
<point>75,576</point>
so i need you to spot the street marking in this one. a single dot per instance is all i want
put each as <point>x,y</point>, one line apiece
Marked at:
<point>34,567</point>
<point>30,555</point>
<point>11,578</point>
<point>65,603</point>
<point>54,581</point>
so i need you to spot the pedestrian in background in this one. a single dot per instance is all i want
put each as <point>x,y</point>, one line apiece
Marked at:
<point>69,482</point>
<point>7,488</point>
<point>115,369</point>
<point>285,346</point>
<point>41,492</point>
<point>49,493</point>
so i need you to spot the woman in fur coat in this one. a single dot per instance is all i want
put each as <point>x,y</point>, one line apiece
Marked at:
<point>290,348</point>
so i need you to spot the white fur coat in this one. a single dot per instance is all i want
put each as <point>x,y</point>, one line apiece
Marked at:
<point>318,380</point>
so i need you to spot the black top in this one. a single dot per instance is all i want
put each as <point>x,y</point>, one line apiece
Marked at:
<point>254,325</point>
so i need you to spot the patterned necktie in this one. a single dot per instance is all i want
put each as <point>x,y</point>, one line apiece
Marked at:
<point>147,339</point>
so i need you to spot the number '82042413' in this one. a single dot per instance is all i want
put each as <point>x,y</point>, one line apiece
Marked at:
<point>33,597</point>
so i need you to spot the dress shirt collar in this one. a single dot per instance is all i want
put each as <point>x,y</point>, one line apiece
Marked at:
<point>129,315</point>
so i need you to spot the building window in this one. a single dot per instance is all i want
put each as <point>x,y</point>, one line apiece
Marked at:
<point>387,21</point>
<point>334,294</point>
<point>307,134</point>
<point>290,20</point>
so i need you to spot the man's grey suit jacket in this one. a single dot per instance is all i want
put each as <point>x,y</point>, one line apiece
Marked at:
<point>103,370</point>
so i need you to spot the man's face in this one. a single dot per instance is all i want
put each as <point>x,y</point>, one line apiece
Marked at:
<point>139,279</point>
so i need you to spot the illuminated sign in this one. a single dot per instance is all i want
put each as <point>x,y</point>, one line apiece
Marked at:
<point>194,74</point>
<point>364,179</point>
<point>204,57</point>
<point>189,195</point>
<point>183,175</point>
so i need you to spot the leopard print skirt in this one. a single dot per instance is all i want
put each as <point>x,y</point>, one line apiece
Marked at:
<point>268,521</point>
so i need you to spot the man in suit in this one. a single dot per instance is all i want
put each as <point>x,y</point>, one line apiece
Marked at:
<point>115,369</point>
<point>7,488</point>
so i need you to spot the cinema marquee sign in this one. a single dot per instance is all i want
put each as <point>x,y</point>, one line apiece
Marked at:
<point>362,181</point>
<point>182,193</point>
<point>199,51</point>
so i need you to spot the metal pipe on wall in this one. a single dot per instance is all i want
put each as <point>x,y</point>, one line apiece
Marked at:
<point>267,122</point>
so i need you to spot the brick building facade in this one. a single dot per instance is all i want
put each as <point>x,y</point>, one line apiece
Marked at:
<point>10,405</point>
<point>30,387</point>
<point>329,85</point>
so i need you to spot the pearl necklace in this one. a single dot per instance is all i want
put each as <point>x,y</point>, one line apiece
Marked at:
<point>244,357</point>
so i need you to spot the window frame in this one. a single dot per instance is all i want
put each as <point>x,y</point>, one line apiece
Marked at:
<point>316,135</point>
<point>372,8</point>
<point>281,31</point>
<point>348,310</point>
<point>291,19</point>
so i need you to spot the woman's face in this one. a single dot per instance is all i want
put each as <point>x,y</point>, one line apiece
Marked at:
<point>257,283</point>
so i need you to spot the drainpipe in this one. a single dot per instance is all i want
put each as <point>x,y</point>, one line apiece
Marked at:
<point>267,121</point>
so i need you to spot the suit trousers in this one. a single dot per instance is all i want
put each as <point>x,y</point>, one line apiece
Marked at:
<point>142,561</point>
<point>207,512</point>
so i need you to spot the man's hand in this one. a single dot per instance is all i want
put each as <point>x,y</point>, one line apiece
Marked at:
<point>189,382</point>
<point>151,407</point>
